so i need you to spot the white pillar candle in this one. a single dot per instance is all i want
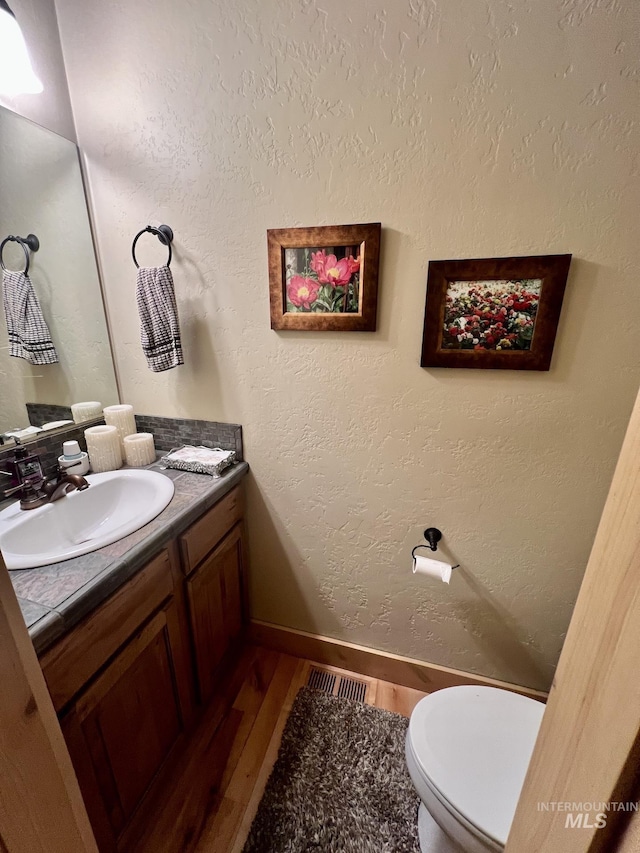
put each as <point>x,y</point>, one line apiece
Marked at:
<point>86,411</point>
<point>139,449</point>
<point>103,447</point>
<point>123,419</point>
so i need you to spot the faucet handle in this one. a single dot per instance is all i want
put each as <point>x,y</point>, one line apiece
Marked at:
<point>32,497</point>
<point>56,473</point>
<point>19,488</point>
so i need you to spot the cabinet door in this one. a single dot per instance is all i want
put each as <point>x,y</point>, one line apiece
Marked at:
<point>127,722</point>
<point>208,531</point>
<point>71,663</point>
<point>214,592</point>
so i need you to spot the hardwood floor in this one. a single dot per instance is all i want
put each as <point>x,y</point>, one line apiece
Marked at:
<point>220,782</point>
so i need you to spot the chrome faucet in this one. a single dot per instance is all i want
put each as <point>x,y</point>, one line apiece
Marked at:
<point>36,494</point>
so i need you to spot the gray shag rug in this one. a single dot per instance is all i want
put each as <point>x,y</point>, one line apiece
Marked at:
<point>339,784</point>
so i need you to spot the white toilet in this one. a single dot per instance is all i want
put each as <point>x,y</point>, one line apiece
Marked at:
<point>468,749</point>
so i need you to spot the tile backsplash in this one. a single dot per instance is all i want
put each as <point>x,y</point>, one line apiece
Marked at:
<point>43,413</point>
<point>167,433</point>
<point>172,432</point>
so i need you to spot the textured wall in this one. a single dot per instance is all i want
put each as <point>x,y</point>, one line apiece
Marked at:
<point>51,108</point>
<point>470,129</point>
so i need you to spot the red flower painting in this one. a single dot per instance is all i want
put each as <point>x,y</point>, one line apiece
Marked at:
<point>322,281</point>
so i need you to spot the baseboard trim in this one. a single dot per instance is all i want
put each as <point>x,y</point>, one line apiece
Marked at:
<point>372,662</point>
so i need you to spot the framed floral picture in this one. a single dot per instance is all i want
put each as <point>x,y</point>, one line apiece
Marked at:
<point>325,278</point>
<point>499,313</point>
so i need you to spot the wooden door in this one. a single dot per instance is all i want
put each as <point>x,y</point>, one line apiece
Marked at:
<point>124,726</point>
<point>41,810</point>
<point>588,751</point>
<point>214,593</point>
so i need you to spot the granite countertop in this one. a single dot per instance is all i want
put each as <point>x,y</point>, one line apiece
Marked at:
<point>54,598</point>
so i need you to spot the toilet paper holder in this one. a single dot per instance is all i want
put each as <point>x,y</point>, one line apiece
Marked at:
<point>433,536</point>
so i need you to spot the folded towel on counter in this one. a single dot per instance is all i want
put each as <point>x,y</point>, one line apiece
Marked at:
<point>200,460</point>
<point>159,328</point>
<point>29,335</point>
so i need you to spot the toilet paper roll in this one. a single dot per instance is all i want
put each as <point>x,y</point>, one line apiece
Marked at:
<point>432,568</point>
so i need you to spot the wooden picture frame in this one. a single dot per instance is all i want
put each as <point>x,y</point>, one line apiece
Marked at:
<point>496,313</point>
<point>325,278</point>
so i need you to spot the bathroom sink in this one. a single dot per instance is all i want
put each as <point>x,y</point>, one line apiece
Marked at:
<point>116,504</point>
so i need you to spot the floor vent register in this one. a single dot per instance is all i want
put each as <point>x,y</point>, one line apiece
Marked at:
<point>337,685</point>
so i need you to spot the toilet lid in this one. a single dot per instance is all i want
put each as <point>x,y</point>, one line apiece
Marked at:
<point>474,745</point>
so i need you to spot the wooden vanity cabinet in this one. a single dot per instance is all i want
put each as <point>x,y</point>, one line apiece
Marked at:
<point>215,609</point>
<point>123,680</point>
<point>212,556</point>
<point>123,728</point>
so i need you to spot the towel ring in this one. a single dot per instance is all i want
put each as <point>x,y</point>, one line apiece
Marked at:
<point>163,232</point>
<point>28,242</point>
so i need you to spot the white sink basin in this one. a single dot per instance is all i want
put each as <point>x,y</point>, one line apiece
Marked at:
<point>116,504</point>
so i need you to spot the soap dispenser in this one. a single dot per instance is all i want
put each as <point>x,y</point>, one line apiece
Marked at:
<point>73,457</point>
<point>24,467</point>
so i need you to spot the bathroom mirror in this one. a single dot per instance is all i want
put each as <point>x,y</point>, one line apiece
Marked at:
<point>42,193</point>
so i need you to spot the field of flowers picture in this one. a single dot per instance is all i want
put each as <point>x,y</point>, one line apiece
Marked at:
<point>324,279</point>
<point>491,315</point>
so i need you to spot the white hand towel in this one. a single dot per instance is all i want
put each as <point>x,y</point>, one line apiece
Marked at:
<point>159,328</point>
<point>29,335</point>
